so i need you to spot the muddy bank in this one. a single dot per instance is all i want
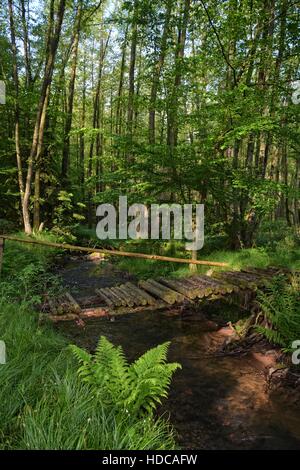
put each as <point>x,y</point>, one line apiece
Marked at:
<point>215,402</point>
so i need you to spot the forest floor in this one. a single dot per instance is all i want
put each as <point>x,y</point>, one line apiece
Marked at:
<point>218,400</point>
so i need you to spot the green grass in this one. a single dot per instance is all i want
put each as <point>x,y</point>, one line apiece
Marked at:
<point>276,245</point>
<point>282,256</point>
<point>43,404</point>
<point>18,255</point>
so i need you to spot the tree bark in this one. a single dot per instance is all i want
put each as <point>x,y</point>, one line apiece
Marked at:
<point>157,72</point>
<point>70,98</point>
<point>54,31</point>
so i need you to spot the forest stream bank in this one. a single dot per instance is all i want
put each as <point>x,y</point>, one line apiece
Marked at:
<point>217,401</point>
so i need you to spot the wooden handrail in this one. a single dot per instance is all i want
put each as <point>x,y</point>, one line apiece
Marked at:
<point>66,246</point>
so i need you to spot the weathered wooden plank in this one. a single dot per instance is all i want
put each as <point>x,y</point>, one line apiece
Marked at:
<point>157,292</point>
<point>136,292</point>
<point>113,297</point>
<point>94,312</point>
<point>149,299</point>
<point>52,306</point>
<point>232,278</point>
<point>104,297</point>
<point>58,318</point>
<point>119,295</point>
<point>178,297</point>
<point>138,300</point>
<point>202,287</point>
<point>256,278</point>
<point>127,300</point>
<point>181,287</point>
<point>75,305</point>
<point>131,299</point>
<point>218,286</point>
<point>225,287</point>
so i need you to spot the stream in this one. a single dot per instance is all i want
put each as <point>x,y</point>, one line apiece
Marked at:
<point>215,402</point>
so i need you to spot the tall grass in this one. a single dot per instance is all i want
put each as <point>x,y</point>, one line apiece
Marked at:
<point>43,404</point>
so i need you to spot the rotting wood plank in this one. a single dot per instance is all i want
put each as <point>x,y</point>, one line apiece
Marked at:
<point>238,276</point>
<point>73,302</point>
<point>179,286</point>
<point>136,292</point>
<point>97,312</point>
<point>131,299</point>
<point>119,295</point>
<point>169,299</point>
<point>232,278</point>
<point>104,297</point>
<point>127,300</point>
<point>58,318</point>
<point>221,285</point>
<point>187,286</point>
<point>148,298</point>
<point>202,287</point>
<point>254,278</point>
<point>167,290</point>
<point>52,306</point>
<point>113,297</point>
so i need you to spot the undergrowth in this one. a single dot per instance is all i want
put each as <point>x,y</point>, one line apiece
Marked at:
<point>43,402</point>
<point>280,305</point>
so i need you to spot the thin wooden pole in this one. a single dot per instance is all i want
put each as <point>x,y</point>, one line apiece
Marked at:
<point>66,246</point>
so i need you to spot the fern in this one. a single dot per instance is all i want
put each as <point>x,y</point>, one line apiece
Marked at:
<point>280,305</point>
<point>137,388</point>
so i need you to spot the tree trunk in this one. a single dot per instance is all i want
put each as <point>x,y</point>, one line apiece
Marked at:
<point>54,31</point>
<point>70,99</point>
<point>157,72</point>
<point>17,107</point>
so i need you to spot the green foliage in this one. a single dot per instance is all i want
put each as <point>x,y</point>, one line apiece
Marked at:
<point>67,215</point>
<point>25,274</point>
<point>69,417</point>
<point>44,405</point>
<point>280,305</point>
<point>43,402</point>
<point>136,388</point>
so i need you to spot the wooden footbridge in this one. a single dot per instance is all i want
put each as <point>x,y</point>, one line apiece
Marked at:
<point>161,293</point>
<point>149,294</point>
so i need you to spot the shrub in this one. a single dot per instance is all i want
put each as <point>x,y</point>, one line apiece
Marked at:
<point>280,305</point>
<point>136,388</point>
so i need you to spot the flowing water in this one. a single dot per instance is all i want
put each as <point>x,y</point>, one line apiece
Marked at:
<point>215,402</point>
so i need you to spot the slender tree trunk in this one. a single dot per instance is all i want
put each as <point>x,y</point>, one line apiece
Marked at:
<point>82,138</point>
<point>70,99</point>
<point>26,46</point>
<point>96,121</point>
<point>17,107</point>
<point>172,126</point>
<point>131,79</point>
<point>38,134</point>
<point>157,72</point>
<point>121,84</point>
